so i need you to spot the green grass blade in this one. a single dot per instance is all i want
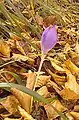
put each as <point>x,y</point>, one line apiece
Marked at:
<point>25,90</point>
<point>32,93</point>
<point>32,5</point>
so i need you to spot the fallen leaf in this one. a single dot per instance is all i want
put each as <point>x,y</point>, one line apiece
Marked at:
<point>20,48</point>
<point>71,90</point>
<point>75,60</point>
<point>39,19</point>
<point>43,91</point>
<point>76,108</point>
<point>49,20</point>
<point>42,80</point>
<point>25,99</point>
<point>22,98</point>
<point>60,80</point>
<point>68,94</point>
<point>56,67</point>
<point>4,49</point>
<point>19,57</point>
<point>67,48</point>
<point>51,113</point>
<point>72,54</point>
<point>70,117</point>
<point>11,104</point>
<point>77,47</point>
<point>71,66</point>
<point>30,80</point>
<point>72,84</point>
<point>25,114</point>
<point>11,119</point>
<point>75,115</point>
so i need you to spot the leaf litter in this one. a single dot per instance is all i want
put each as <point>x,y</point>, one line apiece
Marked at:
<point>20,53</point>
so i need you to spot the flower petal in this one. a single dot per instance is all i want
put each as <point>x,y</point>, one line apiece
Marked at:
<point>48,39</point>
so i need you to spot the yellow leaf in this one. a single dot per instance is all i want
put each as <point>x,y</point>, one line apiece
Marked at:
<point>19,47</point>
<point>22,57</point>
<point>72,84</point>
<point>67,48</point>
<point>76,108</point>
<point>70,117</point>
<point>31,80</point>
<point>72,54</point>
<point>75,115</point>
<point>4,49</point>
<point>58,79</point>
<point>24,99</point>
<point>42,80</point>
<point>39,19</point>
<point>68,94</point>
<point>25,114</point>
<point>77,47</point>
<point>71,90</point>
<point>57,67</point>
<point>11,104</point>
<point>72,67</point>
<point>43,91</point>
<point>11,119</point>
<point>51,113</point>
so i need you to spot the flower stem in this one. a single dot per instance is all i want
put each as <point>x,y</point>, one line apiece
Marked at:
<point>40,66</point>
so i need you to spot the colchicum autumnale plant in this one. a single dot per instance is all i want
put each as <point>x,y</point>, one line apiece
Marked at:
<point>48,41</point>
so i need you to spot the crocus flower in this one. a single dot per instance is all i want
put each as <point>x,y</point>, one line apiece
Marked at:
<point>48,39</point>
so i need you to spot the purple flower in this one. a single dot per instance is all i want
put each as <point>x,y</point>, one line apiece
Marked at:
<point>48,39</point>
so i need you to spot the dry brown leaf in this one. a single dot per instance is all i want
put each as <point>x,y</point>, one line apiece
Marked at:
<point>76,108</point>
<point>69,116</point>
<point>56,67</point>
<point>75,115</point>
<point>39,19</point>
<point>60,80</point>
<point>11,119</point>
<point>25,114</point>
<point>30,80</point>
<point>72,67</point>
<point>43,91</point>
<point>72,84</point>
<point>19,47</point>
<point>77,47</point>
<point>54,85</point>
<point>5,115</point>
<point>24,99</point>
<point>26,35</point>
<point>4,49</point>
<point>30,85</point>
<point>42,80</point>
<point>22,57</point>
<point>72,54</point>
<point>67,48</point>
<point>49,20</point>
<point>54,60</point>
<point>75,60</point>
<point>68,94</point>
<point>51,113</point>
<point>11,104</point>
<point>71,90</point>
